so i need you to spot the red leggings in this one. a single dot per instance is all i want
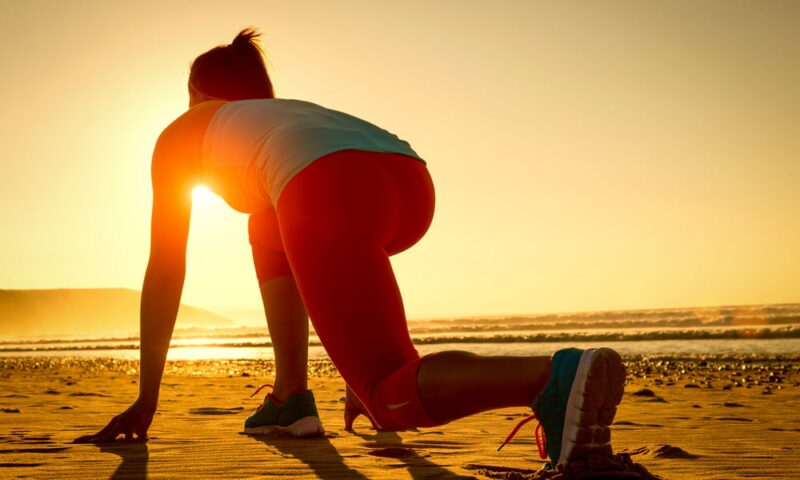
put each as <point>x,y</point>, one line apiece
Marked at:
<point>336,225</point>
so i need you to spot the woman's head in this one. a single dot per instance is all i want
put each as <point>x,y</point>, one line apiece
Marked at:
<point>232,72</point>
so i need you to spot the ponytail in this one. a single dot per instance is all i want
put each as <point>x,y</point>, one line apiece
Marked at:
<point>233,72</point>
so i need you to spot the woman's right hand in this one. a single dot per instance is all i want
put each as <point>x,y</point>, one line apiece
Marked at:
<point>135,420</point>
<point>352,409</point>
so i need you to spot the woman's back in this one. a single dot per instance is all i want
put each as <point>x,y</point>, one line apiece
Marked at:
<point>252,148</point>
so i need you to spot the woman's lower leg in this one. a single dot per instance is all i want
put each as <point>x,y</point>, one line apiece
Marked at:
<point>288,329</point>
<point>456,384</point>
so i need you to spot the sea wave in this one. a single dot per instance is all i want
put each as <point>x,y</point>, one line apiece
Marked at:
<point>540,326</point>
<point>549,337</point>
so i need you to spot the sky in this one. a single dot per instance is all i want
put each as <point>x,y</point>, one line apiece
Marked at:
<point>586,155</point>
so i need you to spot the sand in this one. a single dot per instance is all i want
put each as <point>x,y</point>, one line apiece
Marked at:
<point>682,419</point>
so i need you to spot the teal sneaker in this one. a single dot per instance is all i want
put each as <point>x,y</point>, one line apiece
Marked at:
<point>297,416</point>
<point>577,405</point>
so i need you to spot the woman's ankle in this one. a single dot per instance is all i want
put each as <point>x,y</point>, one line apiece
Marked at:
<point>282,392</point>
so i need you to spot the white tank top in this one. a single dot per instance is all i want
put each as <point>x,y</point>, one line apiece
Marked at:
<point>252,148</point>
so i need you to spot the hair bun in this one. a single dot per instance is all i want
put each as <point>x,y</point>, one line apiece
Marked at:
<point>236,71</point>
<point>246,39</point>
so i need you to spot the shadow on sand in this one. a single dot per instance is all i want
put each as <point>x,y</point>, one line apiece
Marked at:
<point>418,466</point>
<point>322,457</point>
<point>134,457</point>
<point>318,453</point>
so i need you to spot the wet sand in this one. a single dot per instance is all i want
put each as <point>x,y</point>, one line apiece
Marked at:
<point>692,418</point>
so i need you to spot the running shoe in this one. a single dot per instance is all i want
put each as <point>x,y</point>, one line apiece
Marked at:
<point>577,405</point>
<point>297,416</point>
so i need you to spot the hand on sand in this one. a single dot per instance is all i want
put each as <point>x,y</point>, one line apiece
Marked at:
<point>135,420</point>
<point>352,409</point>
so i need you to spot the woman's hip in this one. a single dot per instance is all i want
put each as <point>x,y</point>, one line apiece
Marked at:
<point>352,192</point>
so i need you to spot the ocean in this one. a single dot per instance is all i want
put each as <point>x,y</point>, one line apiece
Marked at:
<point>762,330</point>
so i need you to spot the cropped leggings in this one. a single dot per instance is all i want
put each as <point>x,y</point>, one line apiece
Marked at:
<point>336,224</point>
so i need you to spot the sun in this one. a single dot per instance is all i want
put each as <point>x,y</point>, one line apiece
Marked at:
<point>201,195</point>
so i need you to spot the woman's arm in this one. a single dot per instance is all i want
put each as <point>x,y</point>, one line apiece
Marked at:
<point>166,269</point>
<point>173,178</point>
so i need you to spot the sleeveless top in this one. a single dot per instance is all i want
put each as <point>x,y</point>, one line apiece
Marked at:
<point>253,148</point>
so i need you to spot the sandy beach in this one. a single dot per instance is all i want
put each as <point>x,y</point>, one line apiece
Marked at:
<point>712,418</point>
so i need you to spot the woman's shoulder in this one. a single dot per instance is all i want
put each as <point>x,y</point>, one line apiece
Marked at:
<point>179,145</point>
<point>194,118</point>
<point>192,124</point>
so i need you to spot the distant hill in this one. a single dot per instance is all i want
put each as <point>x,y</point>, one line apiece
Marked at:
<point>95,312</point>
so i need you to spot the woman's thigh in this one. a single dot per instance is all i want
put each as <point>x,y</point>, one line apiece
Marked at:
<point>269,257</point>
<point>339,219</point>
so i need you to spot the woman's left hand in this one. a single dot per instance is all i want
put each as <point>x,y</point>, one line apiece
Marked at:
<point>135,420</point>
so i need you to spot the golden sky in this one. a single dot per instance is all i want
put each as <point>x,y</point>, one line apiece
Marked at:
<point>586,155</point>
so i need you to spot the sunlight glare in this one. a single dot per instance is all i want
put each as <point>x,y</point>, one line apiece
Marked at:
<point>201,195</point>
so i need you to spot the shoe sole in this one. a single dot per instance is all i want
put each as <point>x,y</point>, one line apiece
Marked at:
<point>305,427</point>
<point>596,391</point>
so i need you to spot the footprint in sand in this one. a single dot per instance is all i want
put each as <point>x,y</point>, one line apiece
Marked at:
<point>496,471</point>
<point>649,394</point>
<point>662,451</point>
<point>394,452</point>
<point>634,424</point>
<point>36,450</point>
<point>645,392</point>
<point>215,411</point>
<point>672,452</point>
<point>20,438</point>
<point>735,419</point>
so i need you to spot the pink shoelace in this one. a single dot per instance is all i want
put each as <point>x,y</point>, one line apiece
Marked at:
<point>275,401</point>
<point>261,388</point>
<point>541,439</point>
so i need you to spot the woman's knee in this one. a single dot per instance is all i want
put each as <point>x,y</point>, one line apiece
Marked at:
<point>394,401</point>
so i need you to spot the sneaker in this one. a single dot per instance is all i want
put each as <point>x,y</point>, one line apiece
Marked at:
<point>297,416</point>
<point>577,406</point>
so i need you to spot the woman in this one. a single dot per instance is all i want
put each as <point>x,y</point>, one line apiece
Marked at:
<point>331,197</point>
